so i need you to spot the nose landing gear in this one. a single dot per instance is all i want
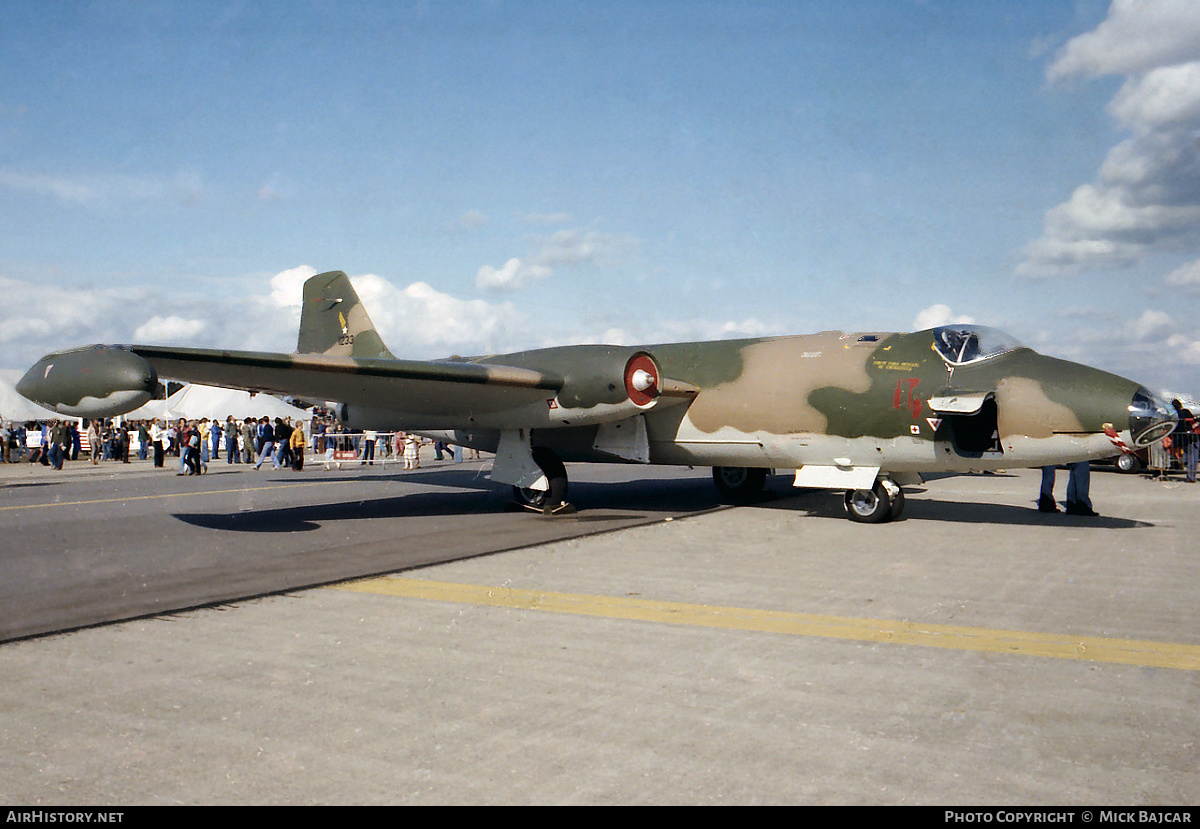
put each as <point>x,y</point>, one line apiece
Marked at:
<point>883,502</point>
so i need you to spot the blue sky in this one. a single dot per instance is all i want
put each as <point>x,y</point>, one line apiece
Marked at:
<point>506,175</point>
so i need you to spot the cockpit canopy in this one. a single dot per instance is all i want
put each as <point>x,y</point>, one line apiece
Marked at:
<point>962,344</point>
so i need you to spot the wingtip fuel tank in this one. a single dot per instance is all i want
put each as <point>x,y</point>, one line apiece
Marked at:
<point>93,381</point>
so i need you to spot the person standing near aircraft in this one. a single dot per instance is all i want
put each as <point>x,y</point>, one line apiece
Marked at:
<point>297,441</point>
<point>1079,501</point>
<point>370,436</point>
<point>123,439</point>
<point>214,436</point>
<point>157,438</point>
<point>191,453</point>
<point>58,440</point>
<point>231,436</point>
<point>205,431</point>
<point>248,429</point>
<point>412,451</point>
<point>283,442</point>
<point>267,436</point>
<point>93,436</point>
<point>1187,438</point>
<point>183,432</point>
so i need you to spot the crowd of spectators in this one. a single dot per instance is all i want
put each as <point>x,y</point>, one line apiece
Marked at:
<point>197,442</point>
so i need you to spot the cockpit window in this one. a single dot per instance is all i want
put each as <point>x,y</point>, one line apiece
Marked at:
<point>960,344</point>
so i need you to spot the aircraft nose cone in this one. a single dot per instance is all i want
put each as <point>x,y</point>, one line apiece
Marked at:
<point>1150,418</point>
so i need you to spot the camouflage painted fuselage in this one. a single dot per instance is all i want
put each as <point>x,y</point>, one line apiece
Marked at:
<point>843,410</point>
<point>852,400</point>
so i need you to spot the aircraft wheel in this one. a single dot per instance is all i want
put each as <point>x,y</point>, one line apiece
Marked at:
<point>555,473</point>
<point>869,506</point>
<point>739,484</point>
<point>1128,463</point>
<point>897,505</point>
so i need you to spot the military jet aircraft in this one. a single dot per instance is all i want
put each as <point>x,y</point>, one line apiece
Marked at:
<point>863,412</point>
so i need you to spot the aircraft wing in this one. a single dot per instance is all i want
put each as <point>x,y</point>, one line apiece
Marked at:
<point>414,387</point>
<point>101,381</point>
<point>598,384</point>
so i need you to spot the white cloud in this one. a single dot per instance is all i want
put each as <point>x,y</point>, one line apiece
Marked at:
<point>59,187</point>
<point>170,329</point>
<point>564,248</point>
<point>547,218</point>
<point>1152,325</point>
<point>472,220</point>
<point>1137,35</point>
<point>1146,198</point>
<point>634,332</point>
<point>1185,276</point>
<point>186,187</point>
<point>575,247</point>
<point>256,313</point>
<point>287,287</point>
<point>418,321</point>
<point>1109,225</point>
<point>1186,350</point>
<point>512,276</point>
<point>936,315</point>
<point>698,330</point>
<point>1164,97</point>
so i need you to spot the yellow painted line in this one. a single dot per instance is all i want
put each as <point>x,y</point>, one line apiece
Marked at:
<point>129,498</point>
<point>1023,643</point>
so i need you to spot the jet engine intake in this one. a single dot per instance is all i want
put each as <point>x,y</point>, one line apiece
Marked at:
<point>642,380</point>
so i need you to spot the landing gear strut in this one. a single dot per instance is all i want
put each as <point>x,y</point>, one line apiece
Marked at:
<point>552,501</point>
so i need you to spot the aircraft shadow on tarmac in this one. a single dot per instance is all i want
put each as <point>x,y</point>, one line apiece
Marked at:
<point>824,504</point>
<point>28,484</point>
<point>470,493</point>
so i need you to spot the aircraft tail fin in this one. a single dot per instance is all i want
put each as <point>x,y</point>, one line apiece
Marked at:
<point>333,320</point>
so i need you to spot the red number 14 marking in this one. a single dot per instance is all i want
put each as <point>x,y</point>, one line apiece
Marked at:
<point>906,398</point>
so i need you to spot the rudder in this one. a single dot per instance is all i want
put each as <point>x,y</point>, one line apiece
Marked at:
<point>333,320</point>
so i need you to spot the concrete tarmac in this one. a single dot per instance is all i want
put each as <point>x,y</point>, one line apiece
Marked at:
<point>976,652</point>
<point>92,544</point>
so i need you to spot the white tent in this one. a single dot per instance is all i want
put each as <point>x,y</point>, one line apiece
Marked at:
<point>195,402</point>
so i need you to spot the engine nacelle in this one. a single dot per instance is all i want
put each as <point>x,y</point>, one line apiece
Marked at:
<point>615,394</point>
<point>606,384</point>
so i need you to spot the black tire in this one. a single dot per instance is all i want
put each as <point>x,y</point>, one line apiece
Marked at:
<point>739,484</point>
<point>897,505</point>
<point>555,473</point>
<point>1127,462</point>
<point>869,506</point>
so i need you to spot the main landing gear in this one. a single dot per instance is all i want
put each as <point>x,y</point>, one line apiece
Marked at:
<point>552,501</point>
<point>739,484</point>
